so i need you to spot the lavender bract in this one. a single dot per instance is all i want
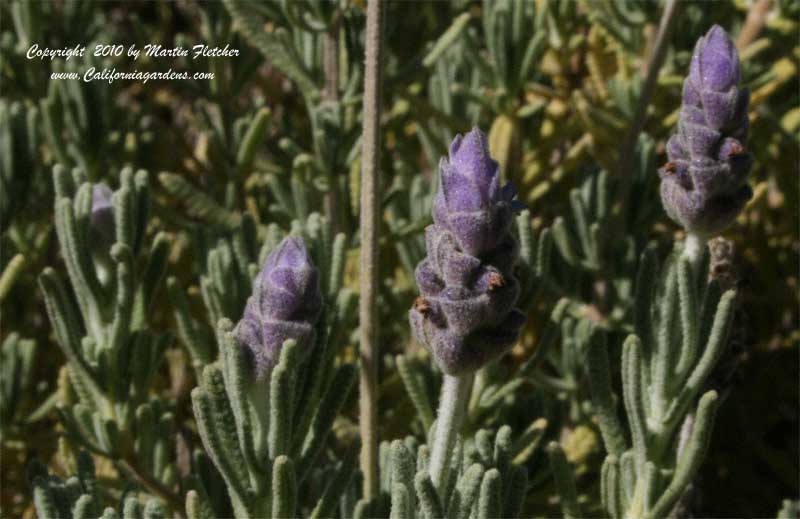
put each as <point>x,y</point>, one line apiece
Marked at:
<point>704,184</point>
<point>465,315</point>
<point>470,202</point>
<point>285,304</point>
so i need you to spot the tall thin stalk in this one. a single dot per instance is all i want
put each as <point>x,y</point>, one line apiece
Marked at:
<point>627,150</point>
<point>654,63</point>
<point>370,182</point>
<point>331,95</point>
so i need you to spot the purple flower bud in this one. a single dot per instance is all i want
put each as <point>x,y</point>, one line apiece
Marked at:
<point>715,63</point>
<point>285,304</point>
<point>704,184</point>
<point>470,202</point>
<point>465,314</point>
<point>102,217</point>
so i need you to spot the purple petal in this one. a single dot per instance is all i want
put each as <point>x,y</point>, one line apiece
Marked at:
<point>429,283</point>
<point>471,159</point>
<point>692,115</point>
<point>679,204</point>
<point>459,269</point>
<point>102,215</point>
<point>288,279</point>
<point>699,139</point>
<point>720,108</point>
<point>292,253</point>
<point>459,190</point>
<point>695,77</point>
<point>501,299</point>
<point>691,96</point>
<point>707,177</point>
<point>456,144</point>
<point>719,61</point>
<point>675,148</point>
<point>472,230</point>
<point>463,309</point>
<point>278,303</point>
<point>440,244</point>
<point>101,196</point>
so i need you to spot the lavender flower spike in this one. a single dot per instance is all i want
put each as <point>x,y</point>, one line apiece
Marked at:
<point>704,184</point>
<point>465,315</point>
<point>285,304</point>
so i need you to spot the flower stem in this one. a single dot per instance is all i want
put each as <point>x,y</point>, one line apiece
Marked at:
<point>693,248</point>
<point>627,157</point>
<point>452,407</point>
<point>331,94</point>
<point>368,277</point>
<point>655,60</point>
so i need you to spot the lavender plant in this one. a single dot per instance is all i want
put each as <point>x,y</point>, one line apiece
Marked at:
<point>465,315</point>
<point>112,353</point>
<point>534,326</point>
<point>265,409</point>
<point>487,478</point>
<point>78,496</point>
<point>663,372</point>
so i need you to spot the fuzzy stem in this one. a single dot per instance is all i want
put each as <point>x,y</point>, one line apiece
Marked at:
<point>370,181</point>
<point>627,153</point>
<point>693,248</point>
<point>449,419</point>
<point>331,94</point>
<point>653,66</point>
